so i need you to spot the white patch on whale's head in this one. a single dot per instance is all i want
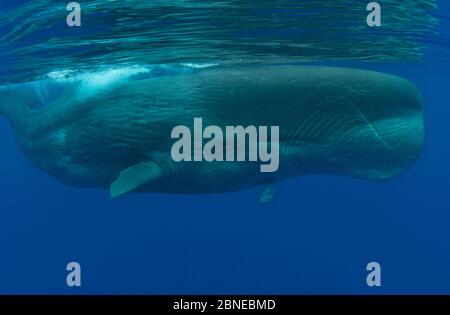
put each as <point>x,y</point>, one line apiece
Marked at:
<point>90,83</point>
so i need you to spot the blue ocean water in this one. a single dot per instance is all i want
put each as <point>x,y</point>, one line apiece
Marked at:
<point>316,237</point>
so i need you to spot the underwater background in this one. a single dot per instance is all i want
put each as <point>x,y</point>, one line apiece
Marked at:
<point>318,234</point>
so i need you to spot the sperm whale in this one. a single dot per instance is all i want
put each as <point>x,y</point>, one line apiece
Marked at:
<point>112,129</point>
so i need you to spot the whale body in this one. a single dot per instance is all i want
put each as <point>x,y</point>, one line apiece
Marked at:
<point>113,129</point>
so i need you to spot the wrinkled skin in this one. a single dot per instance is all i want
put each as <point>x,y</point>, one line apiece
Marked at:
<point>334,121</point>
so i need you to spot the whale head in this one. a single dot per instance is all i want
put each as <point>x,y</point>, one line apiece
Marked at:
<point>364,124</point>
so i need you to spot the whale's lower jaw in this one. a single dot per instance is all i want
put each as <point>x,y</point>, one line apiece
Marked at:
<point>334,121</point>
